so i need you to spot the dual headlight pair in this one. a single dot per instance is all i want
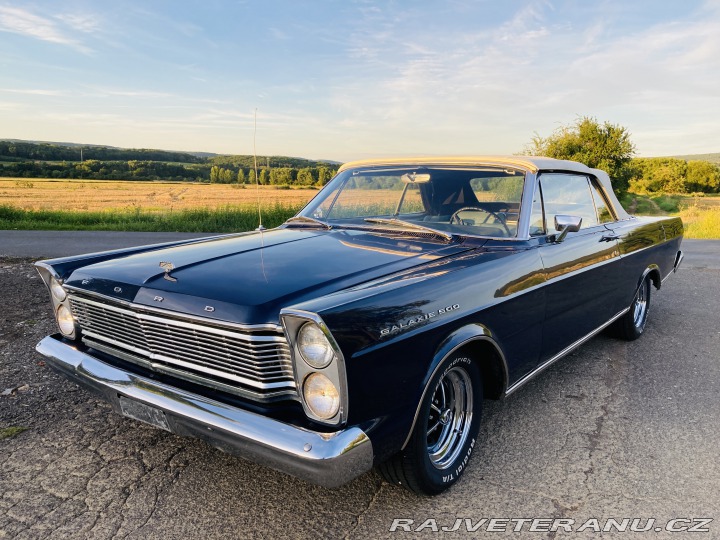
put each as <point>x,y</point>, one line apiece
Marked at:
<point>319,368</point>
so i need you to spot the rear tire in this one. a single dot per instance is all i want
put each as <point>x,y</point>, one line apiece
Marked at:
<point>632,325</point>
<point>445,432</point>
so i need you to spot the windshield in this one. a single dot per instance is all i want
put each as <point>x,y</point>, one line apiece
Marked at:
<point>481,201</point>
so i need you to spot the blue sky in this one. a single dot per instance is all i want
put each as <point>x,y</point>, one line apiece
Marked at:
<point>354,79</point>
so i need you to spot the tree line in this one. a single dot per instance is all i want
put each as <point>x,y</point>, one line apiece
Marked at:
<point>41,160</point>
<point>93,169</point>
<point>23,151</point>
<point>608,147</point>
<point>305,176</point>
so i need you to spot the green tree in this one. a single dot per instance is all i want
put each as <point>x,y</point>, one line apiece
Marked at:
<point>281,175</point>
<point>227,176</point>
<point>305,177</point>
<point>703,176</point>
<point>251,176</point>
<point>658,175</point>
<point>241,179</point>
<point>601,146</point>
<point>323,175</point>
<point>214,174</point>
<point>264,176</point>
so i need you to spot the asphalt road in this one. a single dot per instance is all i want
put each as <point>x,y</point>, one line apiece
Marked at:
<point>615,430</point>
<point>35,244</point>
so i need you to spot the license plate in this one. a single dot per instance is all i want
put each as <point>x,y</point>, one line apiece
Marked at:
<point>144,413</point>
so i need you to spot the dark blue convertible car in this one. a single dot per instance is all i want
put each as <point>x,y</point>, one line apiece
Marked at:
<point>368,329</point>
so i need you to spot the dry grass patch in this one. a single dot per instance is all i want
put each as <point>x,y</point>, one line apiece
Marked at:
<point>701,223</point>
<point>109,195</point>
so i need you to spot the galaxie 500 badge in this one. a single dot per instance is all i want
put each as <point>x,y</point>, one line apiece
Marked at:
<point>403,325</point>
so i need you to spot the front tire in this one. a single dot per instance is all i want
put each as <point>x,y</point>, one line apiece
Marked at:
<point>632,325</point>
<point>445,432</point>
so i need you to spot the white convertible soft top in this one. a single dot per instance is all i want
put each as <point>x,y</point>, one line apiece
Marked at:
<point>533,164</point>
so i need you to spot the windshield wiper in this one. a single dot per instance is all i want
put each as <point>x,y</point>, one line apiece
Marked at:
<point>409,225</point>
<point>309,221</point>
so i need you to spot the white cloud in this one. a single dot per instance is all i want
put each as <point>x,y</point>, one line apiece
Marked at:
<point>24,22</point>
<point>490,89</point>
<point>32,91</point>
<point>81,22</point>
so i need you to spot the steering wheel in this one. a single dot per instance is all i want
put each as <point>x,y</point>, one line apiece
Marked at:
<point>455,218</point>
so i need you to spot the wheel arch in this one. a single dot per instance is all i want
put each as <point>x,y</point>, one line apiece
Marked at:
<point>653,272</point>
<point>485,352</point>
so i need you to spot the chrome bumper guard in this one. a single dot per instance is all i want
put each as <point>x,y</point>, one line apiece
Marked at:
<point>326,459</point>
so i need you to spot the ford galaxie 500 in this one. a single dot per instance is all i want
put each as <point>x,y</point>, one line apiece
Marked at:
<point>368,329</point>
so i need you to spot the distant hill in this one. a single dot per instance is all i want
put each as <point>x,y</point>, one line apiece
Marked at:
<point>712,158</point>
<point>41,159</point>
<point>55,143</point>
<point>57,151</point>
<point>17,150</point>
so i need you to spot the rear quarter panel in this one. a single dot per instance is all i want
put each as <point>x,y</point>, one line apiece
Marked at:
<point>647,243</point>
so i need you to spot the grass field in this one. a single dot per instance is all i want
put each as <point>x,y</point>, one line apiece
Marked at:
<point>44,204</point>
<point>701,222</point>
<point>41,204</point>
<point>158,197</point>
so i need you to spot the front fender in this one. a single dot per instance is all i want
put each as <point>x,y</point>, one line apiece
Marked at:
<point>462,337</point>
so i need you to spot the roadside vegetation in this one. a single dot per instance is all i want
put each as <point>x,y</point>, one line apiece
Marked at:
<point>221,220</point>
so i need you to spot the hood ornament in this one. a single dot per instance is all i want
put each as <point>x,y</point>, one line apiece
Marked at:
<point>168,267</point>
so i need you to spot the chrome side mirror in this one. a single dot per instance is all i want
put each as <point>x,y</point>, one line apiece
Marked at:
<point>566,224</point>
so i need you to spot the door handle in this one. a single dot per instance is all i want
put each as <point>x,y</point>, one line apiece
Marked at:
<point>609,237</point>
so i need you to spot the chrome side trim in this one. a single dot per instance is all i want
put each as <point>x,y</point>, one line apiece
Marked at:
<point>542,367</point>
<point>327,459</point>
<point>176,314</point>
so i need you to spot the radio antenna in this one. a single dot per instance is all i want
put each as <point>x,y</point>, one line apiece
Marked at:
<point>257,178</point>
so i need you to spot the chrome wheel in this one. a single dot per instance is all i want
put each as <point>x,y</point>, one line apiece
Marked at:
<point>445,432</point>
<point>450,417</point>
<point>640,306</point>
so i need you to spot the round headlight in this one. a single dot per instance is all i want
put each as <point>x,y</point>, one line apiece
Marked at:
<point>314,346</point>
<point>57,291</point>
<point>321,396</point>
<point>65,321</point>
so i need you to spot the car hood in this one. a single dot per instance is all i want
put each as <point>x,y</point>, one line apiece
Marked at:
<point>248,278</point>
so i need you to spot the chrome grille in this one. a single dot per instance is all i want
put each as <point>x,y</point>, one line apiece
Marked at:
<point>245,362</point>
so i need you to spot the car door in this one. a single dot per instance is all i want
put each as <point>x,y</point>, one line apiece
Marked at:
<point>580,270</point>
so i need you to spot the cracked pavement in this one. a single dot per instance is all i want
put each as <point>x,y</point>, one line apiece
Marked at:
<point>614,430</point>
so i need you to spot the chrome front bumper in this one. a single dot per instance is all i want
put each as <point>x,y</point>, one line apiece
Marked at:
<point>327,459</point>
